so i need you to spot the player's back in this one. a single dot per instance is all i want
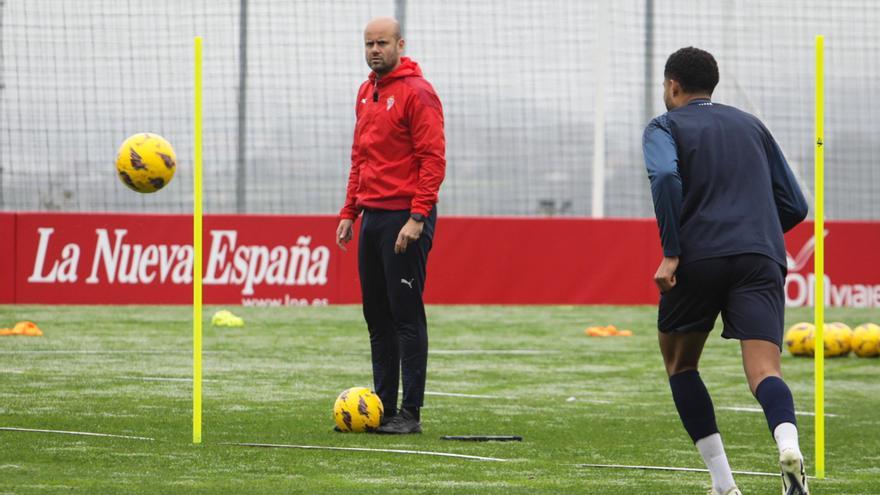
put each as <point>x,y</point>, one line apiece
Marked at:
<point>728,204</point>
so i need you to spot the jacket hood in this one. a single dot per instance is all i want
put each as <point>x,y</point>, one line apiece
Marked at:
<point>408,67</point>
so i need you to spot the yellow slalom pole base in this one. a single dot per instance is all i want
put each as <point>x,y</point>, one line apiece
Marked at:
<point>819,260</point>
<point>197,247</point>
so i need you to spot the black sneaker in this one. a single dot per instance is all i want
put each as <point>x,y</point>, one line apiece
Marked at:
<point>386,419</point>
<point>402,424</point>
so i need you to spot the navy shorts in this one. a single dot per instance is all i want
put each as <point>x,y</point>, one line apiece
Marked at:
<point>747,289</point>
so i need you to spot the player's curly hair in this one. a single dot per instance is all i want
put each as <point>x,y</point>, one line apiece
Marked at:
<point>695,69</point>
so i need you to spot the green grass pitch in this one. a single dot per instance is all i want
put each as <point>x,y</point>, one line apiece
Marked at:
<point>275,380</point>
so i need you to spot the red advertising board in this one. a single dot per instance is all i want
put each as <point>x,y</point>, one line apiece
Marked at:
<point>7,258</point>
<point>542,261</point>
<point>293,260</point>
<point>852,265</point>
<point>148,259</point>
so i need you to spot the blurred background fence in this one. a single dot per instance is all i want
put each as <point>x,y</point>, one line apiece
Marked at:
<point>545,101</point>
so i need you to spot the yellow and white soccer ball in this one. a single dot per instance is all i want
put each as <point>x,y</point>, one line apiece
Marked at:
<point>833,344</point>
<point>810,342</point>
<point>799,339</point>
<point>358,409</point>
<point>866,340</point>
<point>841,333</point>
<point>146,162</point>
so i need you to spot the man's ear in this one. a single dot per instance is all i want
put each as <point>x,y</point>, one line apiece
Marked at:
<point>674,87</point>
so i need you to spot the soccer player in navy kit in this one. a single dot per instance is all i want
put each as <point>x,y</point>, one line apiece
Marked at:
<point>723,196</point>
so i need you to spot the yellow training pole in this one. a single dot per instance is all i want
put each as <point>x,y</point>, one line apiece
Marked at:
<point>197,248</point>
<point>819,259</point>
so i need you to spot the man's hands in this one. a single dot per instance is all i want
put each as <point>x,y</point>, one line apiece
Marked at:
<point>665,276</point>
<point>408,234</point>
<point>344,233</point>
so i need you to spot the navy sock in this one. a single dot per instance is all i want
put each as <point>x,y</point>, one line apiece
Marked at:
<point>694,404</point>
<point>777,402</point>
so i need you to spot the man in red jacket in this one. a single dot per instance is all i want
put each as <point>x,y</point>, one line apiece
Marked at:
<point>397,164</point>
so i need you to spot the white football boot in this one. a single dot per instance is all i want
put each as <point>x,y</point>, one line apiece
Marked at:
<point>732,491</point>
<point>794,478</point>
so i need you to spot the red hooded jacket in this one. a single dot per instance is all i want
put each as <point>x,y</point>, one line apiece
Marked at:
<point>398,158</point>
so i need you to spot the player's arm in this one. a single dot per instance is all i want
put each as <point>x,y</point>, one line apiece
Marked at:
<point>425,116</point>
<point>350,211</point>
<point>661,161</point>
<point>791,206</point>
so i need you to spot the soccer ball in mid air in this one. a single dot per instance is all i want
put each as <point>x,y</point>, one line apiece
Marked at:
<point>358,409</point>
<point>866,340</point>
<point>146,162</point>
<point>799,339</point>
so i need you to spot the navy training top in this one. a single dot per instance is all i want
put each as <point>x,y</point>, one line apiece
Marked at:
<point>720,183</point>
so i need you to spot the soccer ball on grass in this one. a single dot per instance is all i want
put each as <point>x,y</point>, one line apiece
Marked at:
<point>866,340</point>
<point>799,339</point>
<point>841,336</point>
<point>358,409</point>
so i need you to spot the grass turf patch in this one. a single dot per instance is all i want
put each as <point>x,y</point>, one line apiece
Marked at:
<point>124,370</point>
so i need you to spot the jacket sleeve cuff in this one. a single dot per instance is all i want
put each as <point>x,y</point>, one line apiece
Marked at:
<point>672,252</point>
<point>421,210</point>
<point>349,214</point>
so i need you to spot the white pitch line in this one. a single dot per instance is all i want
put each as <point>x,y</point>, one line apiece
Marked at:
<point>671,468</point>
<point>759,410</point>
<point>13,372</point>
<point>82,433</point>
<point>468,396</point>
<point>161,379</point>
<point>88,351</point>
<point>51,351</point>
<point>522,352</point>
<point>588,401</point>
<point>361,449</point>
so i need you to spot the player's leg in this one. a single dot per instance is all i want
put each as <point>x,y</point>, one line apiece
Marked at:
<point>681,355</point>
<point>687,315</point>
<point>681,351</point>
<point>754,313</point>
<point>763,371</point>
<point>377,312</point>
<point>406,273</point>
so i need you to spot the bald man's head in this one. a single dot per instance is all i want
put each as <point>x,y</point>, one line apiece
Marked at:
<point>385,25</point>
<point>383,44</point>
